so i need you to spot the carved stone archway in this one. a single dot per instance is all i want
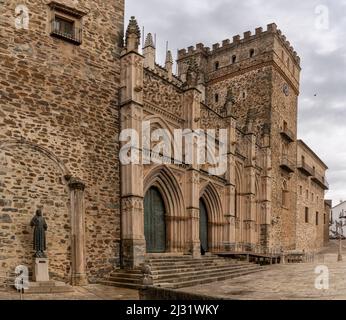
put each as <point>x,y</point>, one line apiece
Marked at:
<point>163,179</point>
<point>216,219</point>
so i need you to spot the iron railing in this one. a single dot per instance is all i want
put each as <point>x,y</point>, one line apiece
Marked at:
<point>305,168</point>
<point>321,181</point>
<point>287,164</point>
<point>74,35</point>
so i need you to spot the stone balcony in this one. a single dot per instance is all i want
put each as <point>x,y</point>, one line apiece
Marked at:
<point>287,164</point>
<point>287,134</point>
<point>305,169</point>
<point>321,181</point>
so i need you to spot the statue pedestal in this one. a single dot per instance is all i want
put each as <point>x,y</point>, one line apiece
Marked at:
<point>41,270</point>
<point>41,283</point>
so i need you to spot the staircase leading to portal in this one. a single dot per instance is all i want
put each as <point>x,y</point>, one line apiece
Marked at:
<point>181,271</point>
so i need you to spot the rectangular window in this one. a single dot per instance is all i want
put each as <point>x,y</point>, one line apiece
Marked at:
<point>306,215</point>
<point>324,218</point>
<point>316,218</point>
<point>307,194</point>
<point>64,27</point>
<point>300,190</point>
<point>66,23</point>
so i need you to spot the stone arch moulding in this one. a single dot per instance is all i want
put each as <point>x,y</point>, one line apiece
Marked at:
<point>6,144</point>
<point>164,180</point>
<point>157,122</point>
<point>217,222</point>
<point>76,189</point>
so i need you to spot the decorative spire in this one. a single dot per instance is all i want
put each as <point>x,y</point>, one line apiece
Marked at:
<point>133,35</point>
<point>133,28</point>
<point>149,41</point>
<point>169,58</point>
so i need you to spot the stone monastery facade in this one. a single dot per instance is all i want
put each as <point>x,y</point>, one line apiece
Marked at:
<point>71,80</point>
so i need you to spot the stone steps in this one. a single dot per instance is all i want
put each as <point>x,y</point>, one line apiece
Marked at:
<point>177,272</point>
<point>183,268</point>
<point>172,277</point>
<point>206,280</point>
<point>185,261</point>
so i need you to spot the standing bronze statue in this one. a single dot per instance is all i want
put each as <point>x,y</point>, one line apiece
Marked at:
<point>40,228</point>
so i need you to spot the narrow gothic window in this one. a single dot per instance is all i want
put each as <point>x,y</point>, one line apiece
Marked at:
<point>306,214</point>
<point>316,218</point>
<point>217,65</point>
<point>234,59</point>
<point>252,53</point>
<point>216,98</point>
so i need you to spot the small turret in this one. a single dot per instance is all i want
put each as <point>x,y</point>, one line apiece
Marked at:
<point>149,52</point>
<point>133,36</point>
<point>169,64</point>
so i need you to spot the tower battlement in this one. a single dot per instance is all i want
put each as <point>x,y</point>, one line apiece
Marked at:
<point>248,38</point>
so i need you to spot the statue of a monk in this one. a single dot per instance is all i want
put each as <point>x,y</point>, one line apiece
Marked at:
<point>40,226</point>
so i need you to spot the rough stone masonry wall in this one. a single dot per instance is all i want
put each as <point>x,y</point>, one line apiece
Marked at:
<point>251,91</point>
<point>61,97</point>
<point>309,235</point>
<point>29,180</point>
<point>284,108</point>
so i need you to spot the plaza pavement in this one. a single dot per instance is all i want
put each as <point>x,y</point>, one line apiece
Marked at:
<point>276,282</point>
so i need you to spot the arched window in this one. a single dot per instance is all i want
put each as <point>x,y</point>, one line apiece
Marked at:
<point>234,59</point>
<point>216,65</point>
<point>252,53</point>
<point>216,98</point>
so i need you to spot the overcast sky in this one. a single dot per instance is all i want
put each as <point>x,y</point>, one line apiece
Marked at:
<point>317,31</point>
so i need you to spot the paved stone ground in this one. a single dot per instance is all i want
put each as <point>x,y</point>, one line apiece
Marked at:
<point>90,292</point>
<point>277,282</point>
<point>284,282</point>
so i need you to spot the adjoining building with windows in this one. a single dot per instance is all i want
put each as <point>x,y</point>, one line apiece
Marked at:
<point>313,213</point>
<point>338,214</point>
<point>73,80</point>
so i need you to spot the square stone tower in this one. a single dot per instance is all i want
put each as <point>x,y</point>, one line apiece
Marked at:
<point>261,72</point>
<point>59,121</point>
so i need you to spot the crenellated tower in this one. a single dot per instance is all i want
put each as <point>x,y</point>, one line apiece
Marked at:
<point>262,72</point>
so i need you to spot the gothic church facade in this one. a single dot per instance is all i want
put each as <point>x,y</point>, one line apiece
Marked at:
<point>71,80</point>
